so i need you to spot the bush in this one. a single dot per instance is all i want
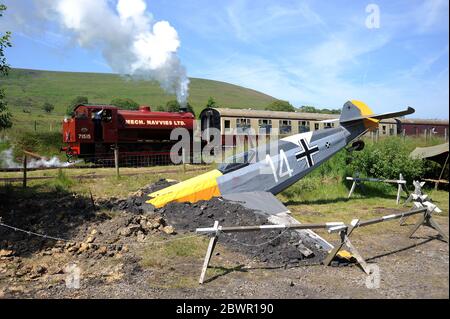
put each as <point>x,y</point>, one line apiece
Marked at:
<point>387,159</point>
<point>48,107</point>
<point>174,106</point>
<point>125,104</point>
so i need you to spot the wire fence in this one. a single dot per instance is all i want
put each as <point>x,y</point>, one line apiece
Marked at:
<point>60,239</point>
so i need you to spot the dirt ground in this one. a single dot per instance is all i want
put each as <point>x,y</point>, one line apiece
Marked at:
<point>124,253</point>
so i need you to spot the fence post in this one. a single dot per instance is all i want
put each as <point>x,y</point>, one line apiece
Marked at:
<point>116,160</point>
<point>436,185</point>
<point>24,171</point>
<point>404,134</point>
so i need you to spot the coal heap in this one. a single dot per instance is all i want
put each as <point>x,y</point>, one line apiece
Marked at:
<point>274,247</point>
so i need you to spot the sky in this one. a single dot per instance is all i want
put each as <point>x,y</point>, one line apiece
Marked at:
<point>389,54</point>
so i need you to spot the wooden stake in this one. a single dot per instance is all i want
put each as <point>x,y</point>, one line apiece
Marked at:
<point>352,189</point>
<point>209,251</point>
<point>442,172</point>
<point>24,171</point>
<point>427,220</point>
<point>116,160</point>
<point>344,234</point>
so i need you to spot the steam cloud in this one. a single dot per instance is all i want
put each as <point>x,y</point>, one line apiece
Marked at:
<point>131,42</point>
<point>7,161</point>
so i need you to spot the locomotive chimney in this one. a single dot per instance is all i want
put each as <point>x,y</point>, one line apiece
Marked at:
<point>145,108</point>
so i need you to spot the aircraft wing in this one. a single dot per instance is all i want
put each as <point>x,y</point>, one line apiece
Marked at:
<point>383,116</point>
<point>267,204</point>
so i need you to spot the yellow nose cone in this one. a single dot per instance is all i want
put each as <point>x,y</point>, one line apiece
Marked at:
<point>202,187</point>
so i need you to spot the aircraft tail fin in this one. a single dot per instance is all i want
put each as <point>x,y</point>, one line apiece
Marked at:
<point>357,111</point>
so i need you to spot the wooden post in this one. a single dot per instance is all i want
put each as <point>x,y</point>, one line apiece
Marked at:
<point>209,251</point>
<point>116,160</point>
<point>404,134</point>
<point>352,189</point>
<point>427,220</point>
<point>24,171</point>
<point>345,241</point>
<point>400,187</point>
<point>442,172</point>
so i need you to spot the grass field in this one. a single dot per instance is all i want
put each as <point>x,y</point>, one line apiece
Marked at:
<point>29,89</point>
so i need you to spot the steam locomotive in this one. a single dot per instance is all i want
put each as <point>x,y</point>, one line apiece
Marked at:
<point>94,131</point>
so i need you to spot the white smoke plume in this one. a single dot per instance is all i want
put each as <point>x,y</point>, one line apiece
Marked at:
<point>131,42</point>
<point>7,161</point>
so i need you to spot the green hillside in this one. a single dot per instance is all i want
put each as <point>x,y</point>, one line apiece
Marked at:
<point>28,90</point>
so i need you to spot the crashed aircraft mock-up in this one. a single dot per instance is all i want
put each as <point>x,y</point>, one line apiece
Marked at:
<point>252,179</point>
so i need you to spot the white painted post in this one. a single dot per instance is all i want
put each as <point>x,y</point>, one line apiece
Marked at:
<point>116,160</point>
<point>209,251</point>
<point>399,190</point>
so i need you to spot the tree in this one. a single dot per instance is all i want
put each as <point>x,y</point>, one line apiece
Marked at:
<point>190,109</point>
<point>79,100</point>
<point>280,105</point>
<point>312,109</point>
<point>160,108</point>
<point>211,102</point>
<point>5,115</point>
<point>48,107</point>
<point>126,104</point>
<point>173,106</point>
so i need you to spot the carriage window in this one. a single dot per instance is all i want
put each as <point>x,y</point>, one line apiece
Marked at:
<point>265,126</point>
<point>285,127</point>
<point>303,126</point>
<point>226,125</point>
<point>242,125</point>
